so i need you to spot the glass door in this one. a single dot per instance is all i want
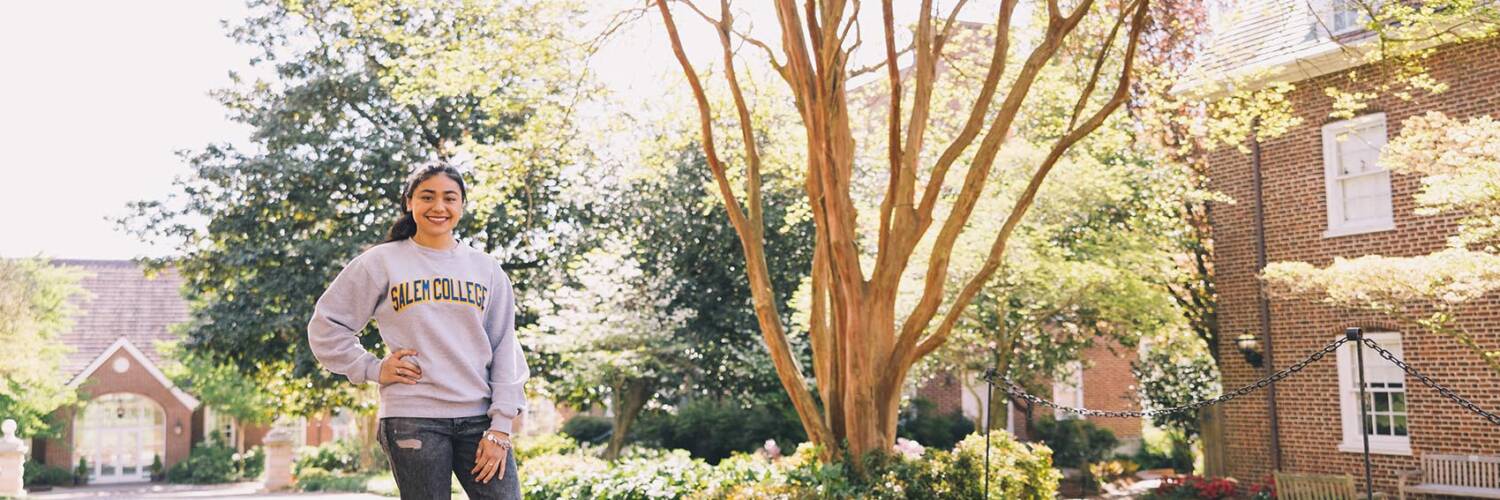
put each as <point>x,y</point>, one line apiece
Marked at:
<point>119,435</point>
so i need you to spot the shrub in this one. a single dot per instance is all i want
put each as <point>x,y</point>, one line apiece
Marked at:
<point>1194,488</point>
<point>588,429</point>
<point>654,474</point>
<point>922,423</point>
<point>334,456</point>
<point>1105,472</point>
<point>209,462</point>
<point>529,447</point>
<point>40,474</point>
<point>561,476</point>
<point>252,462</point>
<point>1017,471</point>
<point>713,430</point>
<point>1075,442</point>
<point>318,479</point>
<point>1167,449</point>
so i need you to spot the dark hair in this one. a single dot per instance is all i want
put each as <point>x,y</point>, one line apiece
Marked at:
<point>406,225</point>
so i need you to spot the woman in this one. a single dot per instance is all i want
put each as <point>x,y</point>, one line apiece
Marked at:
<point>452,383</point>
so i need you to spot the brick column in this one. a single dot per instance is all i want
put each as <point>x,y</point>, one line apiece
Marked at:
<point>278,460</point>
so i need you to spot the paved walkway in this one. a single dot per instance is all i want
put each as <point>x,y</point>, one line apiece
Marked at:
<point>159,490</point>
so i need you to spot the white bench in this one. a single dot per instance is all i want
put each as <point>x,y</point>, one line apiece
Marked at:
<point>1475,476</point>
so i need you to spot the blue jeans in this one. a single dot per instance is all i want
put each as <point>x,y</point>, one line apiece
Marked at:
<point>426,452</point>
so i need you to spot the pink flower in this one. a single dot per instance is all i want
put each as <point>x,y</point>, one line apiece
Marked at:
<point>909,448</point>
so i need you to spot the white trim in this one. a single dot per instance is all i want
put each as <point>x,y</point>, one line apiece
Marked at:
<point>1349,420</point>
<point>1333,191</point>
<point>124,343</point>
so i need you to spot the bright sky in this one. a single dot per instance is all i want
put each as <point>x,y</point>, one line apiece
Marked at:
<point>97,96</point>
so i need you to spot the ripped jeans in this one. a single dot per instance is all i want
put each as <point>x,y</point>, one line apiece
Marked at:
<point>426,453</point>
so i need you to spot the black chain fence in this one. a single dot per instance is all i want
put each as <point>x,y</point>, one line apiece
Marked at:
<point>1018,392</point>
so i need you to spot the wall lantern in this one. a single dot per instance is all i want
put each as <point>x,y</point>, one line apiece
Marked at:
<point>1249,347</point>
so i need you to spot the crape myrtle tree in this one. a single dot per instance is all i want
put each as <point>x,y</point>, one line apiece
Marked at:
<point>863,347</point>
<point>1092,260</point>
<point>353,93</point>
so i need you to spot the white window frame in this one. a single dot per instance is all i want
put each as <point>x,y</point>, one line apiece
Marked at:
<point>1324,15</point>
<point>1349,396</point>
<point>1334,190</point>
<point>1068,391</point>
<point>214,420</point>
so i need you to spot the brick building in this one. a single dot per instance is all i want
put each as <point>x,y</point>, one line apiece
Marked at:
<point>131,412</point>
<point>1102,381</point>
<point>1324,197</point>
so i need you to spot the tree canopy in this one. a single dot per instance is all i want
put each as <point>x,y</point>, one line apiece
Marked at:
<point>357,92</point>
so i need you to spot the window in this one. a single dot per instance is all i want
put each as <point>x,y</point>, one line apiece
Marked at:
<point>1068,390</point>
<point>1344,16</point>
<point>1332,18</point>
<point>1384,400</point>
<point>1358,188</point>
<point>223,424</point>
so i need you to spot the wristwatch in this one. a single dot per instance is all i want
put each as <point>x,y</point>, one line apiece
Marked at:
<point>504,442</point>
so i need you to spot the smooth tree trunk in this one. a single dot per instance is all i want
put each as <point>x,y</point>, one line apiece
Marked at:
<point>627,399</point>
<point>862,346</point>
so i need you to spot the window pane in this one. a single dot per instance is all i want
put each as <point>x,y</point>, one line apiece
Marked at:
<point>1399,421</point>
<point>1382,401</point>
<point>1383,425</point>
<point>1398,402</point>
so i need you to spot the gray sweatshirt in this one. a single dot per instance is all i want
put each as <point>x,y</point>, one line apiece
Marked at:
<point>454,307</point>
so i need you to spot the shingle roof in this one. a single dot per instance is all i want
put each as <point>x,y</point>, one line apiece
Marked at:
<point>1280,37</point>
<point>121,301</point>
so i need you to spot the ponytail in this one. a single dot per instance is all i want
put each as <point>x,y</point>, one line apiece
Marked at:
<point>406,225</point>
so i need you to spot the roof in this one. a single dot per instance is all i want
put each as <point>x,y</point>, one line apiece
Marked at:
<point>1267,40</point>
<point>121,302</point>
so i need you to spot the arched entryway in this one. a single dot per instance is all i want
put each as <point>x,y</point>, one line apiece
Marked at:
<point>119,435</point>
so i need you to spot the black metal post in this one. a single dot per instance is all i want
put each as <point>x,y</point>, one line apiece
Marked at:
<point>989,409</point>
<point>1357,336</point>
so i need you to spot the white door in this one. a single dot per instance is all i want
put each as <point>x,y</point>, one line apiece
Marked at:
<point>119,435</point>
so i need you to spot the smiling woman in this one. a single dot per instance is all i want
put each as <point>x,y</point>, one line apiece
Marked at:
<point>452,413</point>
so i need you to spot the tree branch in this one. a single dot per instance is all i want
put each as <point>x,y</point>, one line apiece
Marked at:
<point>788,369</point>
<point>997,249</point>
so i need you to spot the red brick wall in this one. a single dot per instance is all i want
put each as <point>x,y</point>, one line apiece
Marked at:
<point>1295,220</point>
<point>944,391</point>
<point>135,380</point>
<point>1108,384</point>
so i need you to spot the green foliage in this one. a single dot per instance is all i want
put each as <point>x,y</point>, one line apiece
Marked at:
<point>81,471</point>
<point>220,386</point>
<point>1176,372</point>
<point>1165,450</point>
<point>252,463</point>
<point>334,456</point>
<point>922,423</point>
<point>34,311</point>
<point>588,428</point>
<point>317,479</point>
<point>358,93</point>
<point>528,447</point>
<point>212,461</point>
<point>1458,162</point>
<point>1075,442</point>
<point>40,474</point>
<point>1018,471</point>
<point>714,430</point>
<point>208,463</point>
